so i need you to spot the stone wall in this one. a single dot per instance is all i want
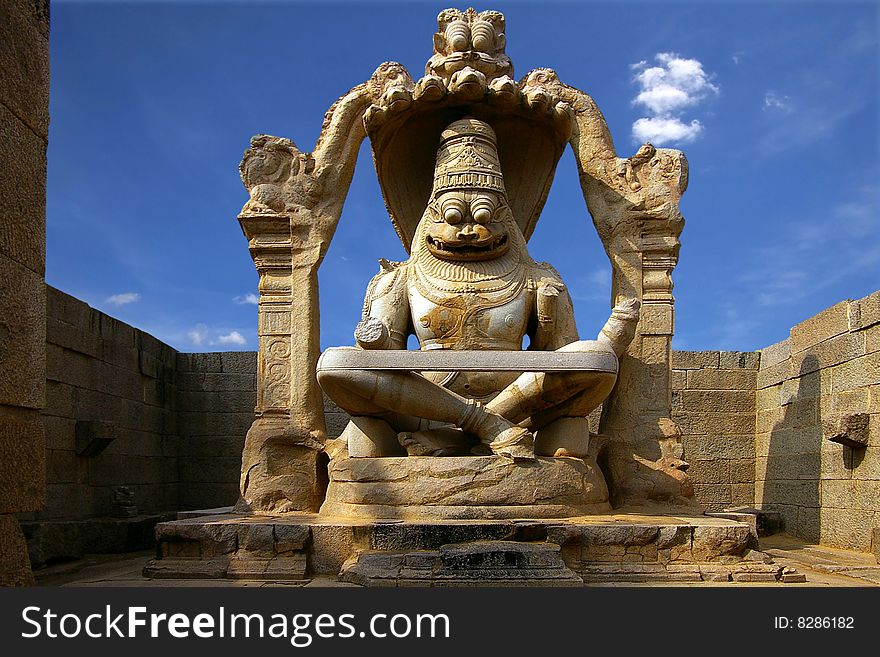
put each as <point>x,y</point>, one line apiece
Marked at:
<point>109,422</point>
<point>713,402</point>
<point>808,385</point>
<point>134,432</point>
<point>216,395</point>
<point>24,125</point>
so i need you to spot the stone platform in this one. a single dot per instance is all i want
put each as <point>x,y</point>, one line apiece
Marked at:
<point>624,546</point>
<point>468,487</point>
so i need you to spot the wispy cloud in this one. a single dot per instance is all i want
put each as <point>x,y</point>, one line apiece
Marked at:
<point>198,335</point>
<point>775,101</point>
<point>123,298</point>
<point>202,335</point>
<point>247,298</point>
<point>595,286</point>
<point>233,337</point>
<point>666,90</point>
<point>736,327</point>
<point>813,255</point>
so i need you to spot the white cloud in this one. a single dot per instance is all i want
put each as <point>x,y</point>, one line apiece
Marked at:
<point>233,337</point>
<point>198,335</point>
<point>247,298</point>
<point>659,130</point>
<point>666,90</point>
<point>774,101</point>
<point>123,298</point>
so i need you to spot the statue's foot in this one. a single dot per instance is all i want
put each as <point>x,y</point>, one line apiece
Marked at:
<point>514,443</point>
<point>502,436</point>
<point>443,441</point>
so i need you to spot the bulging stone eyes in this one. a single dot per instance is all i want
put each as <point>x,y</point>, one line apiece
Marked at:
<point>452,215</point>
<point>482,215</point>
<point>458,35</point>
<point>482,210</point>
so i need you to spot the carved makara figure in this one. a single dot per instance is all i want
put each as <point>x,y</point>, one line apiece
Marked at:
<point>471,285</point>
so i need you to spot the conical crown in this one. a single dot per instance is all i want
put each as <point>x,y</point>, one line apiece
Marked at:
<point>468,158</point>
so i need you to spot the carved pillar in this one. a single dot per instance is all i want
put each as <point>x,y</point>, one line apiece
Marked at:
<point>634,205</point>
<point>295,203</point>
<point>280,462</point>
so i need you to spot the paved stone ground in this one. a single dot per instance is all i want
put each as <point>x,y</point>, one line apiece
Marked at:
<point>823,566</point>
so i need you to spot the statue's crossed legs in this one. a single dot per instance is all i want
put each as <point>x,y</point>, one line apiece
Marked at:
<point>504,424</point>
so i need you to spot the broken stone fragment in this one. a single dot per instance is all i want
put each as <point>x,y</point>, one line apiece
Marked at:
<point>850,429</point>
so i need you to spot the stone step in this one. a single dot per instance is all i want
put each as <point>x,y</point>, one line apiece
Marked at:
<point>480,563</point>
<point>324,546</point>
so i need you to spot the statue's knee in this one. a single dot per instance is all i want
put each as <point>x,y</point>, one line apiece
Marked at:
<point>580,345</point>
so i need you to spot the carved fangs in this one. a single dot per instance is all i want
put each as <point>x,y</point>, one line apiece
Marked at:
<point>493,249</point>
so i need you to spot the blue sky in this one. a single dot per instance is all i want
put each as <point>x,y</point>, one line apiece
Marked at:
<point>775,105</point>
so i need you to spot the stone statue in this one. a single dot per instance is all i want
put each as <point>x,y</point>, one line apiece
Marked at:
<point>465,157</point>
<point>470,284</point>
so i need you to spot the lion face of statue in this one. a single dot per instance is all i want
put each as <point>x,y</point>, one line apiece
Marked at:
<point>468,225</point>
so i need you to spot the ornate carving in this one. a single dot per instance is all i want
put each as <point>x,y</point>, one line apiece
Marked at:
<point>296,199</point>
<point>472,42</point>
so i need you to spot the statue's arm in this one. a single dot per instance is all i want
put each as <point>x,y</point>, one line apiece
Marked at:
<point>554,325</point>
<point>385,323</point>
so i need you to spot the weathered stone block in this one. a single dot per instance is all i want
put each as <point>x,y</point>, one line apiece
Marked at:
<point>775,374</point>
<point>704,423</point>
<point>694,360</point>
<point>15,567</point>
<point>716,471</point>
<point>847,528</point>
<point>721,380</point>
<point>218,382</point>
<point>23,185</point>
<point>872,339</point>
<point>850,429</point>
<point>864,312</point>
<point>739,360</point>
<point>709,543</point>
<point>827,324</point>
<point>22,461</point>
<point>712,401</point>
<point>93,436</point>
<point>742,494</point>
<point>742,471</point>
<point>775,353</point>
<point>22,336</point>
<point>679,379</point>
<point>464,487</point>
<point>239,362</point>
<point>848,401</point>
<point>863,371</point>
<point>712,497</point>
<point>712,447</point>
<point>828,353</point>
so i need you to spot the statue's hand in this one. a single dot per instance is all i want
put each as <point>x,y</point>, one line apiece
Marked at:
<point>620,329</point>
<point>371,333</point>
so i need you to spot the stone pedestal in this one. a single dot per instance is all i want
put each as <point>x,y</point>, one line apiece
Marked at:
<point>466,487</point>
<point>626,546</point>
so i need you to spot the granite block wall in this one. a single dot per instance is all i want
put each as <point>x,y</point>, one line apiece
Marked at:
<point>134,432</point>
<point>818,387</point>
<point>216,395</point>
<point>109,423</point>
<point>713,402</point>
<point>24,126</point>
